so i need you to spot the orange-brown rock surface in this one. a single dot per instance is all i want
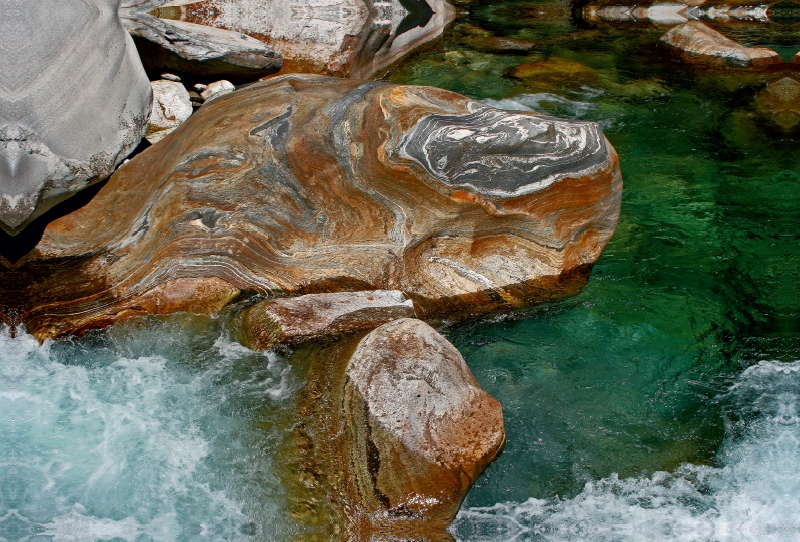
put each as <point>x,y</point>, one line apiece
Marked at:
<point>697,43</point>
<point>304,184</point>
<point>394,431</point>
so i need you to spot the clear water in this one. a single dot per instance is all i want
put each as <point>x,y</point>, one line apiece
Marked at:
<point>618,402</point>
<point>158,431</point>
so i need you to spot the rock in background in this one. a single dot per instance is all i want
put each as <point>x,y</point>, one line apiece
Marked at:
<point>171,108</point>
<point>345,38</point>
<point>307,184</point>
<point>74,102</point>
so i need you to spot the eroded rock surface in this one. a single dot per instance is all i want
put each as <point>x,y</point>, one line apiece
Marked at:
<point>394,433</point>
<point>698,43</point>
<point>308,184</point>
<point>296,319</point>
<point>346,38</point>
<point>74,102</point>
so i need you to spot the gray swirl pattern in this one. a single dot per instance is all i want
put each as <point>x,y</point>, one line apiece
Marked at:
<point>498,153</point>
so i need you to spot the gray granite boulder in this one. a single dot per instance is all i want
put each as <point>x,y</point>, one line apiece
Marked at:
<point>74,102</point>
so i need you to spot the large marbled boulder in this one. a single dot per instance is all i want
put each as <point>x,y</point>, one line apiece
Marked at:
<point>309,184</point>
<point>394,430</point>
<point>697,43</point>
<point>345,38</point>
<point>74,102</point>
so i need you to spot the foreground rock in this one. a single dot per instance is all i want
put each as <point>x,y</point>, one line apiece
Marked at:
<point>171,108</point>
<point>307,184</point>
<point>297,319</point>
<point>346,38</point>
<point>400,429</point>
<point>700,44</point>
<point>74,102</point>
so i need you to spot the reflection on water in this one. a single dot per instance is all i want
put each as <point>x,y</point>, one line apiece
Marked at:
<point>753,495</point>
<point>152,432</point>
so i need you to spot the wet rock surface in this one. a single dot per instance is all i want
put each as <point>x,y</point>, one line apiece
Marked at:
<point>314,316</point>
<point>780,102</point>
<point>74,102</point>
<point>306,184</point>
<point>698,43</point>
<point>400,429</point>
<point>347,38</point>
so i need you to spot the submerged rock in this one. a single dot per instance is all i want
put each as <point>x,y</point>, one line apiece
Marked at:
<point>297,319</point>
<point>171,108</point>
<point>346,38</point>
<point>700,44</point>
<point>780,102</point>
<point>74,102</point>
<point>307,184</point>
<point>395,430</point>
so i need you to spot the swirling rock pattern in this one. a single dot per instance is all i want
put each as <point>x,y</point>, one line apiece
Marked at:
<point>74,101</point>
<point>307,184</point>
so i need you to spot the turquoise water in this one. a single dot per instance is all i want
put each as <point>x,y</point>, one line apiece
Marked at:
<point>625,392</point>
<point>159,431</point>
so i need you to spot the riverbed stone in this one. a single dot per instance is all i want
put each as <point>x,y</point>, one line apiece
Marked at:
<point>217,89</point>
<point>172,106</point>
<point>74,103</point>
<point>393,432</point>
<point>699,44</point>
<point>314,316</point>
<point>780,102</point>
<point>307,184</point>
<point>421,429</point>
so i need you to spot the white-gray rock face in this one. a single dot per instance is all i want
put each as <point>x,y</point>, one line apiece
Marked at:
<point>349,38</point>
<point>217,89</point>
<point>171,108</point>
<point>74,101</point>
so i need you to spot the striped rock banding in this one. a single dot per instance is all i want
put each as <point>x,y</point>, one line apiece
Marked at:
<point>308,184</point>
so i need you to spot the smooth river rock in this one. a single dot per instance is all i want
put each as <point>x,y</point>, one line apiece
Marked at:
<point>293,320</point>
<point>345,38</point>
<point>780,102</point>
<point>171,108</point>
<point>308,184</point>
<point>394,432</point>
<point>74,102</point>
<point>699,44</point>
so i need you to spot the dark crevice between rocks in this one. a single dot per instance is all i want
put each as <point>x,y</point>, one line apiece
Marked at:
<point>15,247</point>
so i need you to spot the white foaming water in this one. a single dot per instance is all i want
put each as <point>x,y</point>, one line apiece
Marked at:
<point>96,445</point>
<point>753,495</point>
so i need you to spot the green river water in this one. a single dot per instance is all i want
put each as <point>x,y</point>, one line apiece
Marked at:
<point>699,283</point>
<point>659,404</point>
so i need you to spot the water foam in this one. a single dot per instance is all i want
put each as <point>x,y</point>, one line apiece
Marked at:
<point>100,445</point>
<point>754,494</point>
